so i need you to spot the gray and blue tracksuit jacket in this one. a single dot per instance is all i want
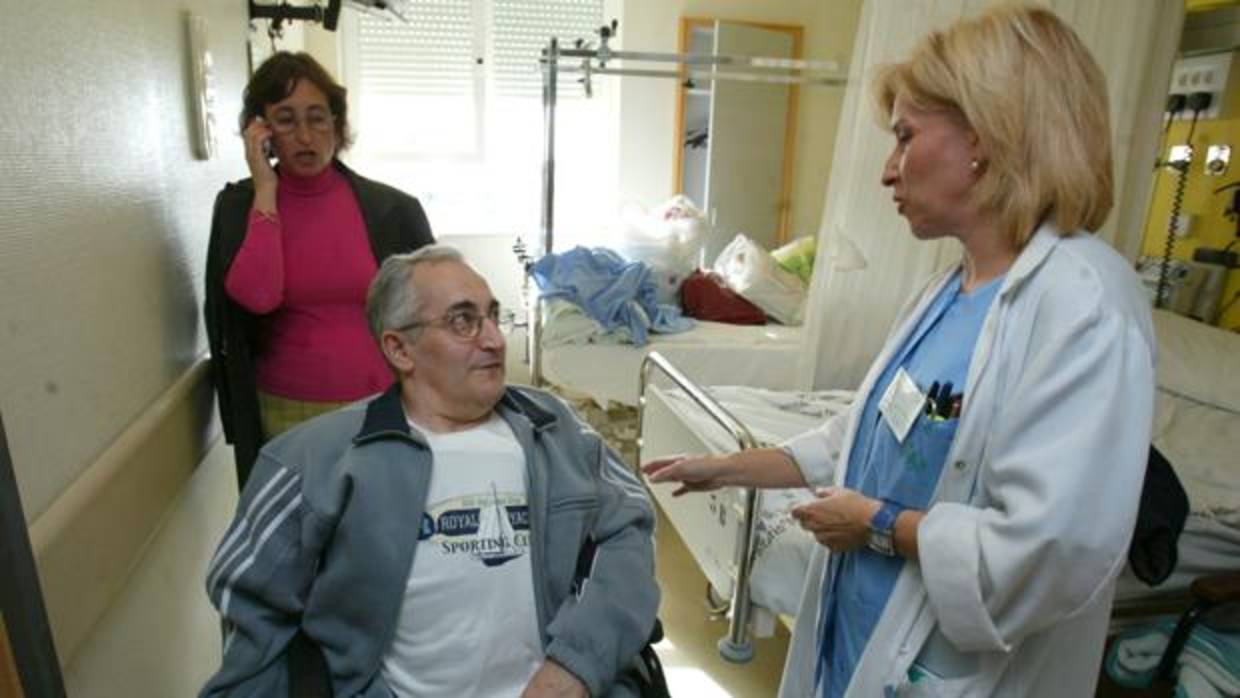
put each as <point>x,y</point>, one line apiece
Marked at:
<point>327,526</point>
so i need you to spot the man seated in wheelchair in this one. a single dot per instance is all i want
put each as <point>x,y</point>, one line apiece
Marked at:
<point>454,536</point>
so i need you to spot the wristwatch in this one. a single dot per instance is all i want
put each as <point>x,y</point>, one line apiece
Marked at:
<point>882,539</point>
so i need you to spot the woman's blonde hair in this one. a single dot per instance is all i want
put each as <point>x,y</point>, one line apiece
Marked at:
<point>1025,84</point>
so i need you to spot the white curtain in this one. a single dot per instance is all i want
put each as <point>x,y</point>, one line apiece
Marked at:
<point>851,310</point>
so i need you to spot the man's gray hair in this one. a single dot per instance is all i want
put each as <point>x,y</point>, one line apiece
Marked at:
<point>392,301</point>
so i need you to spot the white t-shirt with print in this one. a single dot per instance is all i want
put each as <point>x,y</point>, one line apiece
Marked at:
<point>468,625</point>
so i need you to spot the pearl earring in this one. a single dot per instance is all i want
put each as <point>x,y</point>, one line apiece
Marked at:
<point>974,164</point>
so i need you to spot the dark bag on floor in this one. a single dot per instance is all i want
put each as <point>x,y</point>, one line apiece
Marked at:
<point>1160,521</point>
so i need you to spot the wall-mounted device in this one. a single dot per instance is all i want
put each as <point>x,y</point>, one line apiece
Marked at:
<point>1217,159</point>
<point>203,88</point>
<point>282,12</point>
<point>1179,160</point>
<point>328,15</point>
<point>1192,230</point>
<point>1192,289</point>
<point>1208,73</point>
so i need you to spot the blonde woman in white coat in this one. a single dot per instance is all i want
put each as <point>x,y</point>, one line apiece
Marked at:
<point>976,504</point>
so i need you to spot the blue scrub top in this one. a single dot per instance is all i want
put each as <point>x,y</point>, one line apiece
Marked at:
<point>938,350</point>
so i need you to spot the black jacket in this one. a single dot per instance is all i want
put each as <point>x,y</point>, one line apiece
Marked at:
<point>395,223</point>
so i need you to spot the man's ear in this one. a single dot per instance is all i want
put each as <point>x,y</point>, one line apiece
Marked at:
<point>396,349</point>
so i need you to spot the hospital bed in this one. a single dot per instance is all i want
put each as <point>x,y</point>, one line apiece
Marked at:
<point>752,554</point>
<point>1197,427</point>
<point>744,541</point>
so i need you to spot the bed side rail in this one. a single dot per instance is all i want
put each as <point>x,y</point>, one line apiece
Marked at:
<point>737,645</point>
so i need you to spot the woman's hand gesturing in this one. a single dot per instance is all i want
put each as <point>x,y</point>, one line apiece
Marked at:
<point>694,473</point>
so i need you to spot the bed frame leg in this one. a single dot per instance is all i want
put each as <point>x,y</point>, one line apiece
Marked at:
<point>737,645</point>
<point>736,653</point>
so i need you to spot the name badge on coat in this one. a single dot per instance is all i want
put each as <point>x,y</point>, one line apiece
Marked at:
<point>901,403</point>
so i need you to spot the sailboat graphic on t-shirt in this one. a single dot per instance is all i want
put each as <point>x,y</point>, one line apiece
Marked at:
<point>495,535</point>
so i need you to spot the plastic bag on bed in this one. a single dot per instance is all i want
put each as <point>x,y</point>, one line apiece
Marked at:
<point>797,257</point>
<point>669,239</point>
<point>752,272</point>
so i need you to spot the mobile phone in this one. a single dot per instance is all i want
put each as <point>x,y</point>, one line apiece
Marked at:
<point>268,151</point>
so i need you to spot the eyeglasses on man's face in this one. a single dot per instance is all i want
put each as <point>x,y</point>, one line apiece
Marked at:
<point>317,119</point>
<point>466,322</point>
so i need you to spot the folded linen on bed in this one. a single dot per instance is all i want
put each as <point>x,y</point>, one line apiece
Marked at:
<point>612,291</point>
<point>1209,665</point>
<point>565,322</point>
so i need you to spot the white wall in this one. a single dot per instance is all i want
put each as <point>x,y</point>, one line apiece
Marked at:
<point>106,217</point>
<point>161,637</point>
<point>492,255</point>
<point>648,140</point>
<point>103,239</point>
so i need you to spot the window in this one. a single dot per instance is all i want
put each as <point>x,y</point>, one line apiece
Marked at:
<point>448,107</point>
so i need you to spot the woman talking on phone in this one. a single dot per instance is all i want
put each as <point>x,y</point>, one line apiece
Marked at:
<point>293,249</point>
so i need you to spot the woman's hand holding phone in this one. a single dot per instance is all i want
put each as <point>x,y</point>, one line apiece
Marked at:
<point>257,137</point>
<point>258,153</point>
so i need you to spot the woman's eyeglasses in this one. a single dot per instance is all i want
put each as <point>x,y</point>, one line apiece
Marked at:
<point>466,323</point>
<point>319,120</point>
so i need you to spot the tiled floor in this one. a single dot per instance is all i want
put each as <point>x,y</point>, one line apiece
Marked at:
<point>692,663</point>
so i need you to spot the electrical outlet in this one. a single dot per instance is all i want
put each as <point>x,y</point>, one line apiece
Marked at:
<point>1206,73</point>
<point>1179,156</point>
<point>1217,158</point>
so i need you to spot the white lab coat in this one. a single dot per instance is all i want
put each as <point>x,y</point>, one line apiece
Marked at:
<point>1032,516</point>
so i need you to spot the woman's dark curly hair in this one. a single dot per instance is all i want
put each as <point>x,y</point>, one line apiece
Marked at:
<point>276,79</point>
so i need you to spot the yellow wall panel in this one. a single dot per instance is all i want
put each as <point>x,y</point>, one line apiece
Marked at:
<point>1210,227</point>
<point>1205,5</point>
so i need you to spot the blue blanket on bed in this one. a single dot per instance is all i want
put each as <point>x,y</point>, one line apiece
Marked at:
<point>614,292</point>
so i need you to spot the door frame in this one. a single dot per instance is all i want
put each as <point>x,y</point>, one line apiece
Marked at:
<point>28,661</point>
<point>796,31</point>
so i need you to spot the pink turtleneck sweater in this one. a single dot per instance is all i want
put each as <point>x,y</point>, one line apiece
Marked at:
<point>308,272</point>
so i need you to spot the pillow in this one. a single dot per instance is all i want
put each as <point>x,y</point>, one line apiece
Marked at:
<point>1198,361</point>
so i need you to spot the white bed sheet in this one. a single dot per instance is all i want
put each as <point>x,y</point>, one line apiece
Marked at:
<point>711,353</point>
